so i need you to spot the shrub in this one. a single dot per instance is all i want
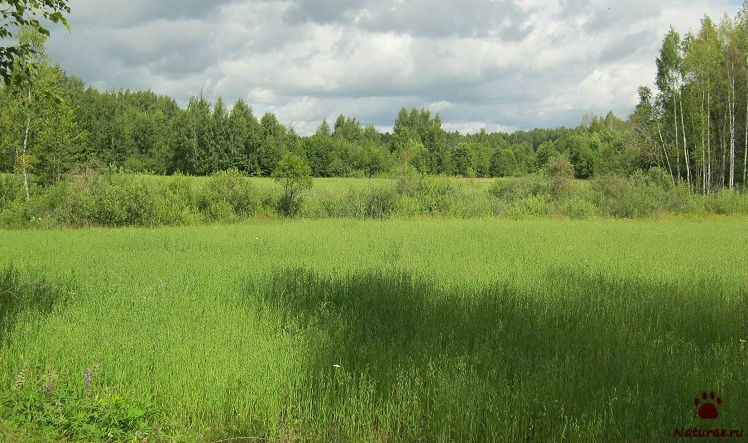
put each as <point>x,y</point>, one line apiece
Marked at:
<point>227,194</point>
<point>331,204</point>
<point>113,199</point>
<point>295,174</point>
<point>424,194</point>
<point>352,204</point>
<point>179,203</point>
<point>142,202</point>
<point>577,207</point>
<point>622,197</point>
<point>438,195</point>
<point>104,201</point>
<point>532,206</point>
<point>11,189</point>
<point>380,202</point>
<point>613,195</point>
<point>559,166</point>
<point>357,173</point>
<point>559,172</point>
<point>409,182</point>
<point>725,202</point>
<point>510,190</point>
<point>660,177</point>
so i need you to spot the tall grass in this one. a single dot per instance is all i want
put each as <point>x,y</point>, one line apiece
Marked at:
<point>392,330</point>
<point>391,357</point>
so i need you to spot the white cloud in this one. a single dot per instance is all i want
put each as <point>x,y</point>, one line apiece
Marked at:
<point>501,65</point>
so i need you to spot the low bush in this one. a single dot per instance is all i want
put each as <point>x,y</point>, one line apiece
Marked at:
<point>620,197</point>
<point>380,202</point>
<point>226,195</point>
<point>11,189</point>
<point>179,202</point>
<point>725,202</point>
<point>520,188</point>
<point>532,206</point>
<point>577,207</point>
<point>113,198</point>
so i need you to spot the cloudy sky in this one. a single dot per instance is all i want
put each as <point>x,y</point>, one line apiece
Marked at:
<point>498,64</point>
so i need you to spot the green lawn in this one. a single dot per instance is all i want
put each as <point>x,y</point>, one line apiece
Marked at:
<point>440,329</point>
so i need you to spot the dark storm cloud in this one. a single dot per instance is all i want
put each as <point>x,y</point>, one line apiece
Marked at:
<point>501,64</point>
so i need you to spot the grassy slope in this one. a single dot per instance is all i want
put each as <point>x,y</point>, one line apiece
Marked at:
<point>596,329</point>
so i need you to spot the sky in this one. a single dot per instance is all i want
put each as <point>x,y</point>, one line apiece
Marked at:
<point>495,64</point>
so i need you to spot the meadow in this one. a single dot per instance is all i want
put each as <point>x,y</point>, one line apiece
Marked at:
<point>377,330</point>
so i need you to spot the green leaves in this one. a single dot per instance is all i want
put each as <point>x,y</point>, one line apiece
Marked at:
<point>26,14</point>
<point>296,175</point>
<point>70,414</point>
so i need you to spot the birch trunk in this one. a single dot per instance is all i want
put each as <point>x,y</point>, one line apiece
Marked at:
<point>24,148</point>
<point>745,146</point>
<point>708,140</point>
<point>667,157</point>
<point>732,133</point>
<point>685,143</point>
<point>677,143</point>
<point>703,144</point>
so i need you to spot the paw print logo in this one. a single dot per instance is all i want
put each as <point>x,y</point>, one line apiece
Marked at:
<point>709,403</point>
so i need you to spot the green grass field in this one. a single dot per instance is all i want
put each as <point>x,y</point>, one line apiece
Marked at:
<point>466,330</point>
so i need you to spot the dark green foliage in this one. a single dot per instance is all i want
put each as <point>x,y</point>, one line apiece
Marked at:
<point>422,139</point>
<point>545,152</point>
<point>144,132</point>
<point>504,163</point>
<point>462,161</point>
<point>11,190</point>
<point>583,160</point>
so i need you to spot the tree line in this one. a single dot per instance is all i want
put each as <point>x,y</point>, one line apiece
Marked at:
<point>54,124</point>
<point>145,132</point>
<point>695,124</point>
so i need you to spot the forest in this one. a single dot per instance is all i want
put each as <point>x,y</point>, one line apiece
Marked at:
<point>693,125</point>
